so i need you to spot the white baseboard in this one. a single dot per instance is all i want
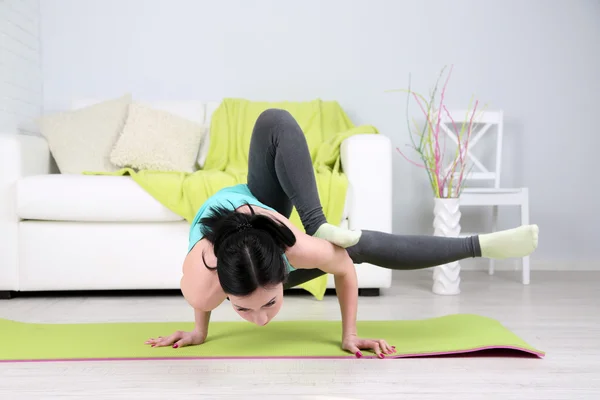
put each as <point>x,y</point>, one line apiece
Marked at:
<point>515,265</point>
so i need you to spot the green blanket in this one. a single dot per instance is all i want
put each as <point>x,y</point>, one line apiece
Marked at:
<point>451,334</point>
<point>325,125</point>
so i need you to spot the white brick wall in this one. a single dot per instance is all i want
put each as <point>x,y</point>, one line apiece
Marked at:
<point>20,64</point>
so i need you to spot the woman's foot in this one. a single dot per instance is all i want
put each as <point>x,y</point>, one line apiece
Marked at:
<point>517,242</point>
<point>338,236</point>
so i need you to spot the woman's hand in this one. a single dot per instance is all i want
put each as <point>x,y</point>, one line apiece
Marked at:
<point>178,339</point>
<point>354,344</point>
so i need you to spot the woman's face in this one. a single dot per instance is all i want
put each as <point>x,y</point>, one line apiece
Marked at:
<point>261,306</point>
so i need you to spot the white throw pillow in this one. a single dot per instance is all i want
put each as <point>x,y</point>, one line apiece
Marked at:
<point>157,140</point>
<point>81,140</point>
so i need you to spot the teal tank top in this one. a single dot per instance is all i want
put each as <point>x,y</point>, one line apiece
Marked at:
<point>231,198</point>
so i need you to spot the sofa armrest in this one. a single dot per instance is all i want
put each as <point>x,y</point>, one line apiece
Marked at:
<point>24,155</point>
<point>20,156</point>
<point>367,162</point>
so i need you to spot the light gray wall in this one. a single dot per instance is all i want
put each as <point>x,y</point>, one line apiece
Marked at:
<point>537,60</point>
<point>20,64</point>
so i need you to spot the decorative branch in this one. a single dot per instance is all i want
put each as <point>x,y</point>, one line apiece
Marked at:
<point>409,160</point>
<point>428,148</point>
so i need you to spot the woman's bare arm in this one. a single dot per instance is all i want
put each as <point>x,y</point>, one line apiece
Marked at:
<point>312,252</point>
<point>201,319</point>
<point>201,289</point>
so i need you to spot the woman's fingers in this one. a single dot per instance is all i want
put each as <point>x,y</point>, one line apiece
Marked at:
<point>373,345</point>
<point>176,340</point>
<point>152,340</point>
<point>377,349</point>
<point>184,341</point>
<point>355,350</point>
<point>169,340</point>
<point>385,347</point>
<point>166,341</point>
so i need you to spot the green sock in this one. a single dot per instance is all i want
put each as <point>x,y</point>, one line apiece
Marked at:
<point>517,242</point>
<point>338,236</point>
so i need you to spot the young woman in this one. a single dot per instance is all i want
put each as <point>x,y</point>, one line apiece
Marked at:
<point>243,247</point>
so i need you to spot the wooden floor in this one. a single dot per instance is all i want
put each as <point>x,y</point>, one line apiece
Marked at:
<point>558,313</point>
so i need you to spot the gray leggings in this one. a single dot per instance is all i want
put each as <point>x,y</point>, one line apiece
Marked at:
<point>281,175</point>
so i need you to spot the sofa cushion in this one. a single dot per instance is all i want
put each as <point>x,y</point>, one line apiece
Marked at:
<point>157,140</point>
<point>74,197</point>
<point>81,140</point>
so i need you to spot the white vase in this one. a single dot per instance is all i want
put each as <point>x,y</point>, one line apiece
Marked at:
<point>446,222</point>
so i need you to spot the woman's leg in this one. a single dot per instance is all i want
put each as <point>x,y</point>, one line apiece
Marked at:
<point>423,251</point>
<point>405,252</point>
<point>411,251</point>
<point>281,175</point>
<point>300,276</point>
<point>400,252</point>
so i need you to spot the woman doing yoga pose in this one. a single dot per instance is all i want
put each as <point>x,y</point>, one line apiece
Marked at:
<point>243,247</point>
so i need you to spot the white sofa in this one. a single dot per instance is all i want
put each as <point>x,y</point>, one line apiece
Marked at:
<point>62,232</point>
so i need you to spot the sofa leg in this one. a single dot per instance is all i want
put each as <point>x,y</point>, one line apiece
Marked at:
<point>371,292</point>
<point>6,294</point>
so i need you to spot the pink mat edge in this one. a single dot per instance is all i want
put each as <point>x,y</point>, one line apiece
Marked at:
<point>539,354</point>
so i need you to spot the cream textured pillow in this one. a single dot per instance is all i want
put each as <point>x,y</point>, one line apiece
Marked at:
<point>157,140</point>
<point>81,140</point>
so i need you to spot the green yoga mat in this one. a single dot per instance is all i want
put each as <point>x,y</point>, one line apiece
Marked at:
<point>452,334</point>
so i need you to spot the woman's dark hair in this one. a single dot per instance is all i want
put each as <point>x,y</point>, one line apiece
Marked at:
<point>249,249</point>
